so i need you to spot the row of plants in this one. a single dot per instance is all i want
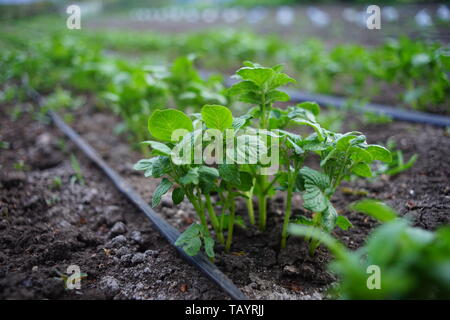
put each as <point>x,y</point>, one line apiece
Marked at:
<point>399,71</point>
<point>129,89</point>
<point>264,130</point>
<point>415,262</point>
<point>417,70</point>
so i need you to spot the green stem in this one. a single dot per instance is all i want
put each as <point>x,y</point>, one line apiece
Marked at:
<point>199,209</point>
<point>287,214</point>
<point>230,225</point>
<point>250,209</point>
<point>262,202</point>
<point>214,220</point>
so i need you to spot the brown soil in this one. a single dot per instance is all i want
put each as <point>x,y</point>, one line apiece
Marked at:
<point>40,233</point>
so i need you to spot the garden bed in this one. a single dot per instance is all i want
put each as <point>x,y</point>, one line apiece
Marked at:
<point>256,263</point>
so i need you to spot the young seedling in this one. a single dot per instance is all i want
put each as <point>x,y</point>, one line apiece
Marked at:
<point>341,155</point>
<point>78,176</point>
<point>259,86</point>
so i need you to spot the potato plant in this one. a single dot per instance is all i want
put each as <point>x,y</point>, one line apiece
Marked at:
<point>414,264</point>
<point>216,175</point>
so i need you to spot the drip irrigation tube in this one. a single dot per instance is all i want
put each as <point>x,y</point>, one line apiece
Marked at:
<point>340,103</point>
<point>200,261</point>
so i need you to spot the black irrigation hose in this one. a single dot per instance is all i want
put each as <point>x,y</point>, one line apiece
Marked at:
<point>395,113</point>
<point>200,261</point>
<point>340,103</point>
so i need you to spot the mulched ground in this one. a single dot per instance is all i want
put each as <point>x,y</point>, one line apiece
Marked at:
<point>45,228</point>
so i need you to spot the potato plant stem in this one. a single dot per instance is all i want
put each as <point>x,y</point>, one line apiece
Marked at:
<point>250,209</point>
<point>214,220</point>
<point>199,209</point>
<point>288,211</point>
<point>232,206</point>
<point>262,201</point>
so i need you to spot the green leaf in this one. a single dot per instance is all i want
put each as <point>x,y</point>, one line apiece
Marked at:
<point>277,95</point>
<point>177,195</point>
<point>376,209</point>
<point>315,185</point>
<point>358,154</point>
<point>161,190</point>
<point>230,173</point>
<point>362,169</point>
<point>379,153</point>
<point>217,117</point>
<point>242,87</point>
<point>154,167</point>
<point>191,177</point>
<point>209,246</point>
<point>246,181</point>
<point>343,223</point>
<point>193,246</point>
<point>162,123</point>
<point>248,146</point>
<point>315,125</point>
<point>160,148</point>
<point>190,240</point>
<point>208,172</point>
<point>258,75</point>
<point>329,217</point>
<point>313,107</point>
<point>280,79</point>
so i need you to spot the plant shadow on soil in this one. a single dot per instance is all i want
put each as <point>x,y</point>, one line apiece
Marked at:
<point>124,256</point>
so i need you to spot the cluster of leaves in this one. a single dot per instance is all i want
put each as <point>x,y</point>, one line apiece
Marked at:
<point>135,91</point>
<point>341,155</point>
<point>414,265</point>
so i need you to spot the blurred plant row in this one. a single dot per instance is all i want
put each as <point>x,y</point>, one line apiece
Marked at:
<point>401,72</point>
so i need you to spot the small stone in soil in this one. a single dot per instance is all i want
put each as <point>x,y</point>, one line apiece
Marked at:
<point>110,285</point>
<point>117,242</point>
<point>117,229</point>
<point>136,236</point>
<point>151,253</point>
<point>138,258</point>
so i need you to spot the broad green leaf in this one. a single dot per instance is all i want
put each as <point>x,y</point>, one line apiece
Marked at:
<point>362,169</point>
<point>358,154</point>
<point>376,209</point>
<point>379,153</point>
<point>161,190</point>
<point>177,195</point>
<point>162,123</point>
<point>217,117</point>
<point>315,185</point>
<point>258,75</point>
<point>160,148</point>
